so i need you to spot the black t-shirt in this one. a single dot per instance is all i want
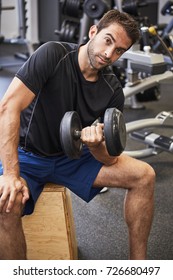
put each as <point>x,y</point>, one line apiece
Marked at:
<point>52,73</point>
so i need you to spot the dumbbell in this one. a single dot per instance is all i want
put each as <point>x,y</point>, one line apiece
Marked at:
<point>114,133</point>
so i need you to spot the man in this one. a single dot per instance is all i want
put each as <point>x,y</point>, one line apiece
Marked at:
<point>57,78</point>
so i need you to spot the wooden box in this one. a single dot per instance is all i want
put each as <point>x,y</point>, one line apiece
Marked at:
<point>50,230</point>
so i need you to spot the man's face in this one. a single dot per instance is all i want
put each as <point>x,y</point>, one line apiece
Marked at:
<point>107,46</point>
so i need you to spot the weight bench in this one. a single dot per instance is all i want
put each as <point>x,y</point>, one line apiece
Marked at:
<point>50,230</point>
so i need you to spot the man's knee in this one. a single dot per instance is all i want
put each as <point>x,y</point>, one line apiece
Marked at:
<point>13,245</point>
<point>149,173</point>
<point>18,206</point>
<point>146,177</point>
<point>12,221</point>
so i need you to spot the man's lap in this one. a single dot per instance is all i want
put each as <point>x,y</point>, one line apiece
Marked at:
<point>77,175</point>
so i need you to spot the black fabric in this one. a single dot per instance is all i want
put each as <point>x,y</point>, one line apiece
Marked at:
<point>52,73</point>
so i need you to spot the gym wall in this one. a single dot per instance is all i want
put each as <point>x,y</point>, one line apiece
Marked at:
<point>10,20</point>
<point>44,18</point>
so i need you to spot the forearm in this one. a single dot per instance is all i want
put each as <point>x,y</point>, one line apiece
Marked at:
<point>9,131</point>
<point>101,154</point>
<point>10,182</point>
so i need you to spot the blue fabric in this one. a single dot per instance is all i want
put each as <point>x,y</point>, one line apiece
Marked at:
<point>77,175</point>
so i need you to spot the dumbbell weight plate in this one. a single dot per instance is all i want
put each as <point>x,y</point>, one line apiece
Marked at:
<point>114,131</point>
<point>71,145</point>
<point>95,9</point>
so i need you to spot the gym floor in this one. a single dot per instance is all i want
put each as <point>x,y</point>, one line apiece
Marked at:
<point>100,228</point>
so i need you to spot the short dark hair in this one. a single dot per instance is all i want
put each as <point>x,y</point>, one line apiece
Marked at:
<point>129,24</point>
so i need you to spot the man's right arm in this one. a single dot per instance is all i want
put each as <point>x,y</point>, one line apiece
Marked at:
<point>16,99</point>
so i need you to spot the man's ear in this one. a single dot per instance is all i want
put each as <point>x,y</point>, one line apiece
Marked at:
<point>92,31</point>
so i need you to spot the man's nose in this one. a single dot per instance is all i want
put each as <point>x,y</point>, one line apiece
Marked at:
<point>109,53</point>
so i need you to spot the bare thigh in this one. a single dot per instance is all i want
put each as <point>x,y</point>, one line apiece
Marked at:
<point>125,173</point>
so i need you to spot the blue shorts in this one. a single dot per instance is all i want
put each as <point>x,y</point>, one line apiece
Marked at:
<point>77,175</point>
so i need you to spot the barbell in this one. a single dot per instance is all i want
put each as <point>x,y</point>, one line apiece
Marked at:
<point>114,133</point>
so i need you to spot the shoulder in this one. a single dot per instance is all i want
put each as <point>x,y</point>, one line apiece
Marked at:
<point>57,47</point>
<point>111,79</point>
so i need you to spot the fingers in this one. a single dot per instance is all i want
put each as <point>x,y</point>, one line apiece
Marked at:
<point>25,190</point>
<point>3,199</point>
<point>12,195</point>
<point>8,192</point>
<point>92,135</point>
<point>11,200</point>
<point>25,193</point>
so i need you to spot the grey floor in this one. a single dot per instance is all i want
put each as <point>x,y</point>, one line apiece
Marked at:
<point>100,228</point>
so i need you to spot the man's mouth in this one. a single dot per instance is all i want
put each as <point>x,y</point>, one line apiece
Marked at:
<point>103,60</point>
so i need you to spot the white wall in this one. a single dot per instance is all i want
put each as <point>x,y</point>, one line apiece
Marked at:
<point>9,20</point>
<point>161,18</point>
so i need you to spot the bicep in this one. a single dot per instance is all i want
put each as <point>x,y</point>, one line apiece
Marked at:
<point>18,96</point>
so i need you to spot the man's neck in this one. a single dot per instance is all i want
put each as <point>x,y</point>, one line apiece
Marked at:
<point>89,73</point>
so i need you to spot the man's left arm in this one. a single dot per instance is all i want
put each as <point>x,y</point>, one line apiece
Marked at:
<point>93,138</point>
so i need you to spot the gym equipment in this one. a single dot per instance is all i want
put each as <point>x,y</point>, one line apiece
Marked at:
<point>70,128</point>
<point>153,64</point>
<point>71,12</point>
<point>167,9</point>
<point>79,14</point>
<point>72,8</point>
<point>95,9</point>
<point>165,35</point>
<point>69,31</point>
<point>114,133</point>
<point>131,6</point>
<point>137,129</point>
<point>145,71</point>
<point>155,143</point>
<point>144,11</point>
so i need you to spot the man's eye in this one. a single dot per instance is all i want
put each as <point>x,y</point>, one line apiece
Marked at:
<point>108,41</point>
<point>119,51</point>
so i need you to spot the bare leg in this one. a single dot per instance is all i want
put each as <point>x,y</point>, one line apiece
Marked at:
<point>12,240</point>
<point>138,178</point>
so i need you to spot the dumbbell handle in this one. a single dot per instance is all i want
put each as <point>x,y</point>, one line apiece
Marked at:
<point>77,134</point>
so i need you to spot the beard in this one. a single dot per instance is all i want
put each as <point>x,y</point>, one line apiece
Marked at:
<point>92,56</point>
